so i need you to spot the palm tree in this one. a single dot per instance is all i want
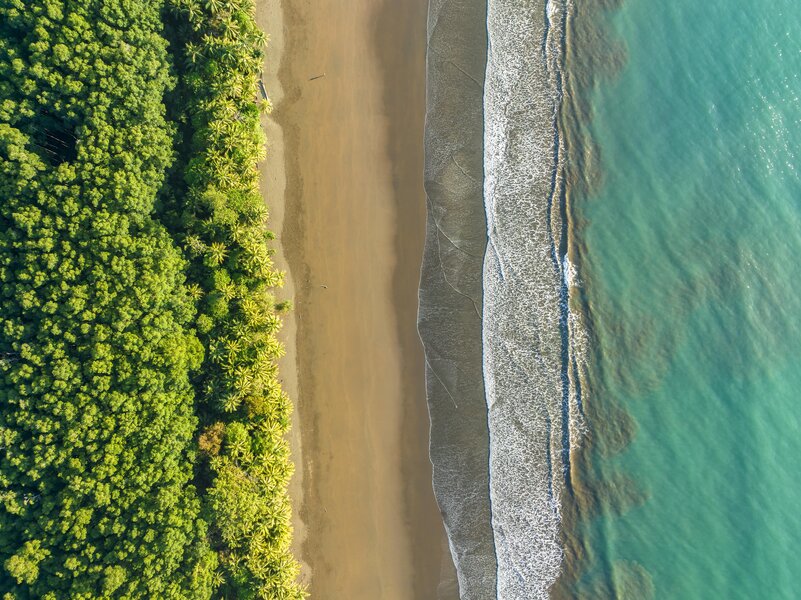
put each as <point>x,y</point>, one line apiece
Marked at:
<point>274,279</point>
<point>217,253</point>
<point>195,291</point>
<point>192,9</point>
<point>193,53</point>
<point>219,128</point>
<point>194,244</point>
<point>261,39</point>
<point>231,403</point>
<point>228,290</point>
<point>254,314</point>
<point>239,446</point>
<point>215,6</point>
<point>217,579</point>
<point>237,233</point>
<point>215,159</point>
<point>273,323</point>
<point>227,178</point>
<point>216,351</point>
<point>234,347</point>
<point>230,28</point>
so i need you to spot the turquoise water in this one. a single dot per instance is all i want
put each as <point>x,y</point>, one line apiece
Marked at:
<point>692,268</point>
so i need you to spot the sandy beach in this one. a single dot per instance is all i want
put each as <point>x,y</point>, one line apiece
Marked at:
<point>344,183</point>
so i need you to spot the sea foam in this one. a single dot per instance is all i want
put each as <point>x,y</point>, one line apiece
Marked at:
<point>528,353</point>
<point>502,346</point>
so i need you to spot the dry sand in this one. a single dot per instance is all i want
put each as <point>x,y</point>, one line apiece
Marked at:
<point>344,181</point>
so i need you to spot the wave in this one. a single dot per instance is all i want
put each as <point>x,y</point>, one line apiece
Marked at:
<point>503,349</point>
<point>531,339</point>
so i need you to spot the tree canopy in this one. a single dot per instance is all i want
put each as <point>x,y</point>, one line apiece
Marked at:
<point>96,409</point>
<point>219,215</point>
<point>142,422</point>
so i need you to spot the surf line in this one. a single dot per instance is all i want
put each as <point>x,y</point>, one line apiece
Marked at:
<point>549,391</point>
<point>557,15</point>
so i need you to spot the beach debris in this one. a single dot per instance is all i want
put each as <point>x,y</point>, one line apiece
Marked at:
<point>262,89</point>
<point>316,77</point>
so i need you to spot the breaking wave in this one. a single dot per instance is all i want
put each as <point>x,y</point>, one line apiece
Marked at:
<point>531,340</point>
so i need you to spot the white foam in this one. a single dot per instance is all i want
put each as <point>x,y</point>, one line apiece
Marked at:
<point>525,313</point>
<point>570,273</point>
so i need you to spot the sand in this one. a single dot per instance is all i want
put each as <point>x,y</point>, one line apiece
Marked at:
<point>344,181</point>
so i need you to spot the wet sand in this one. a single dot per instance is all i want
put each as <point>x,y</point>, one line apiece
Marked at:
<point>344,179</point>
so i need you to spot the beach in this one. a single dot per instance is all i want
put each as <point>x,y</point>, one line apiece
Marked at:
<point>607,300</point>
<point>344,181</point>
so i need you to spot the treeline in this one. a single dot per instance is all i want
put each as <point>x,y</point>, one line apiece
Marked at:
<point>219,215</point>
<point>141,421</point>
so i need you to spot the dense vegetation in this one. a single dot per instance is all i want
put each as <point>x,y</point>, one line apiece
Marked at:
<point>96,424</point>
<point>220,216</point>
<point>121,355</point>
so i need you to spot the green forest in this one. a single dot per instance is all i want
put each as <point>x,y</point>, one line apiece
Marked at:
<point>142,422</point>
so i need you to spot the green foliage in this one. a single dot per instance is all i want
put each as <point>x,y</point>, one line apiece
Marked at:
<point>96,420</point>
<point>97,339</point>
<point>219,215</point>
<point>24,565</point>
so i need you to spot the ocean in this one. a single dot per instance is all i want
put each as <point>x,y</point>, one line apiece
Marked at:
<point>688,236</point>
<point>608,296</point>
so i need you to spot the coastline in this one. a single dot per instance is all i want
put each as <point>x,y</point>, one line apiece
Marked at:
<point>343,182</point>
<point>496,302</point>
<point>270,19</point>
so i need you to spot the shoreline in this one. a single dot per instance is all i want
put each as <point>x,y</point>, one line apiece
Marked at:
<point>344,184</point>
<point>525,422</point>
<point>451,294</point>
<point>270,19</point>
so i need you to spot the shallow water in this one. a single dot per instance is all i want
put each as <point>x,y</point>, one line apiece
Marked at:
<point>526,338</point>
<point>690,241</point>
